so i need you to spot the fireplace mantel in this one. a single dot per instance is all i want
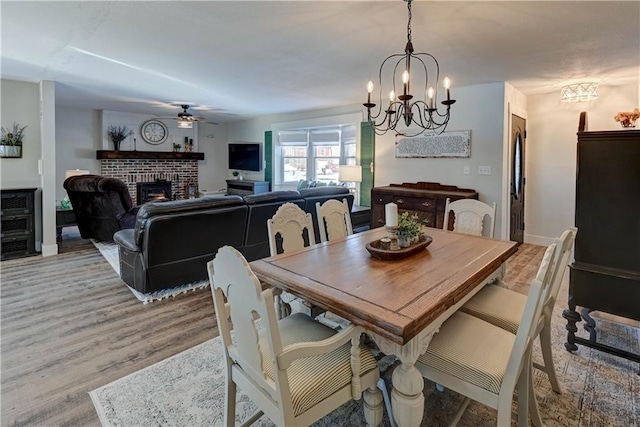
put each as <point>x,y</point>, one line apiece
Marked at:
<point>147,155</point>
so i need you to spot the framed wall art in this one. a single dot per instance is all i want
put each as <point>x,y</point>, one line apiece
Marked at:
<point>445,145</point>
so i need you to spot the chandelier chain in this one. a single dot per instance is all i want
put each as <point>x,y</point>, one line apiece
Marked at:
<point>409,22</point>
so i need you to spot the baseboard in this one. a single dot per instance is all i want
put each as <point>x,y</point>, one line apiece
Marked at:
<point>538,240</point>
<point>49,250</point>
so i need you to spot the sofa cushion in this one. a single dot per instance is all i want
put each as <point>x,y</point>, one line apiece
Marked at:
<point>151,209</point>
<point>271,197</point>
<point>323,191</point>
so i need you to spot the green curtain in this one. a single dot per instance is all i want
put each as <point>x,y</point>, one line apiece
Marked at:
<point>367,158</point>
<point>268,158</point>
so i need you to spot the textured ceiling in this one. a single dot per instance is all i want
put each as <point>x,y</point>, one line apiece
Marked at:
<point>240,59</point>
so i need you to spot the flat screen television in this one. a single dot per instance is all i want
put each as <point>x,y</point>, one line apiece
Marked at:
<point>245,156</point>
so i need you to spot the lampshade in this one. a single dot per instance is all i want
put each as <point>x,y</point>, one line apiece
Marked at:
<point>75,172</point>
<point>350,173</point>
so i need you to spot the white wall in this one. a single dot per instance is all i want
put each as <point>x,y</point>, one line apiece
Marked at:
<point>478,108</point>
<point>77,139</point>
<point>81,132</point>
<point>20,102</point>
<point>551,154</point>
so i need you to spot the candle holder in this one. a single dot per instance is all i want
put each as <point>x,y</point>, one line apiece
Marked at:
<point>393,237</point>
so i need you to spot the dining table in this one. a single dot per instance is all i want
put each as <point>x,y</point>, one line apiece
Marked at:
<point>400,302</point>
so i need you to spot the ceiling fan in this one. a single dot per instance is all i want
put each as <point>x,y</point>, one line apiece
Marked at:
<point>185,118</point>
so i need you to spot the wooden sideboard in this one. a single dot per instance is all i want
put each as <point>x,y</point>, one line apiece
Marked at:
<point>605,275</point>
<point>425,199</point>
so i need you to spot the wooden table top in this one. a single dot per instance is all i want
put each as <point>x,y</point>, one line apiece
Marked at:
<point>394,299</point>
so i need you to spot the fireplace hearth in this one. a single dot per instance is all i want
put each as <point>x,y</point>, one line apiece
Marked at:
<point>156,191</point>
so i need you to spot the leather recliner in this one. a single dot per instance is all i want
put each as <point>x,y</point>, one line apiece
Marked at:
<point>102,205</point>
<point>173,241</point>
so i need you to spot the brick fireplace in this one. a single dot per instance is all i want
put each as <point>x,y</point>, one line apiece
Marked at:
<point>133,171</point>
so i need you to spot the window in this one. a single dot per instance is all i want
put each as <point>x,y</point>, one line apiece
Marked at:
<point>315,154</point>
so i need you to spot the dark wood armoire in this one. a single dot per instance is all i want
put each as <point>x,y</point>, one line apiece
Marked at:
<point>605,275</point>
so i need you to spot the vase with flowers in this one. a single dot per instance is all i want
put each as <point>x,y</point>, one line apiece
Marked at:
<point>11,141</point>
<point>627,118</point>
<point>409,229</point>
<point>117,134</point>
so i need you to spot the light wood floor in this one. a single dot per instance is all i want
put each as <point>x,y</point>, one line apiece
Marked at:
<point>69,325</point>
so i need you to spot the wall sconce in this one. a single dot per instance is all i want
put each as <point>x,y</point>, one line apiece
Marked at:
<point>579,92</point>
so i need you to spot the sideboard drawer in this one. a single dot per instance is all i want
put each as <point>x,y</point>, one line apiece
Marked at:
<point>383,199</point>
<point>415,203</point>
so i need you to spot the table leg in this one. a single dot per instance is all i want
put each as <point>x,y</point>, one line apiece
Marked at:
<point>407,400</point>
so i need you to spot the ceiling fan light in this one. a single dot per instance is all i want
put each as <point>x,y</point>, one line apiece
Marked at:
<point>185,124</point>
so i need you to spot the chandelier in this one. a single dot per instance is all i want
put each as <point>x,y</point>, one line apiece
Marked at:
<point>418,115</point>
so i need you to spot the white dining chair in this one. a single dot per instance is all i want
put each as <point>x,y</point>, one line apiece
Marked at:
<point>503,307</point>
<point>334,219</point>
<point>295,370</point>
<point>289,225</point>
<point>469,216</point>
<point>287,229</point>
<point>486,363</point>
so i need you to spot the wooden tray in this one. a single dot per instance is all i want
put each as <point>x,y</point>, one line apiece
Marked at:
<point>384,254</point>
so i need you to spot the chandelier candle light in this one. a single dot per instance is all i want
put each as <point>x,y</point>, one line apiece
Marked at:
<point>421,113</point>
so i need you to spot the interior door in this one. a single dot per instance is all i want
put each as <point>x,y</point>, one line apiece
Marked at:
<point>518,137</point>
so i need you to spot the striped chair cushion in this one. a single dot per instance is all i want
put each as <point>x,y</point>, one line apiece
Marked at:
<point>313,379</point>
<point>498,306</point>
<point>472,350</point>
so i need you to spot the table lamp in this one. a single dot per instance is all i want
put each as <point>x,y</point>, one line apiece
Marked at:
<point>351,173</point>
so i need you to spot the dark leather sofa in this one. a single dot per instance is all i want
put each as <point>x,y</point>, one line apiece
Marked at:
<point>102,205</point>
<point>173,241</point>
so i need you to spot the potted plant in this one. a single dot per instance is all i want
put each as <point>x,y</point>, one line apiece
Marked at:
<point>236,174</point>
<point>409,229</point>
<point>11,141</point>
<point>118,134</point>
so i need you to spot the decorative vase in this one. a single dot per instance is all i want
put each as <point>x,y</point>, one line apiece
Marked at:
<point>404,242</point>
<point>628,124</point>
<point>116,145</point>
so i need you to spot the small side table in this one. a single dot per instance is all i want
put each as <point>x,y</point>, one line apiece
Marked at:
<point>64,218</point>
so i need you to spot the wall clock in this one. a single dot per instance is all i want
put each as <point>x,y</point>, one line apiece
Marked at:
<point>154,132</point>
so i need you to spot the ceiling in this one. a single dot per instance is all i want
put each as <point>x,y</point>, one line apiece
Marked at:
<point>240,59</point>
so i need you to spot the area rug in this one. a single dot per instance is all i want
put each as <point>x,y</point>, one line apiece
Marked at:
<point>188,390</point>
<point>110,252</point>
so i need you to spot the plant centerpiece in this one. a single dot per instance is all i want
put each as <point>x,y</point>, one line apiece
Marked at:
<point>236,174</point>
<point>11,141</point>
<point>627,118</point>
<point>409,229</point>
<point>117,134</point>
